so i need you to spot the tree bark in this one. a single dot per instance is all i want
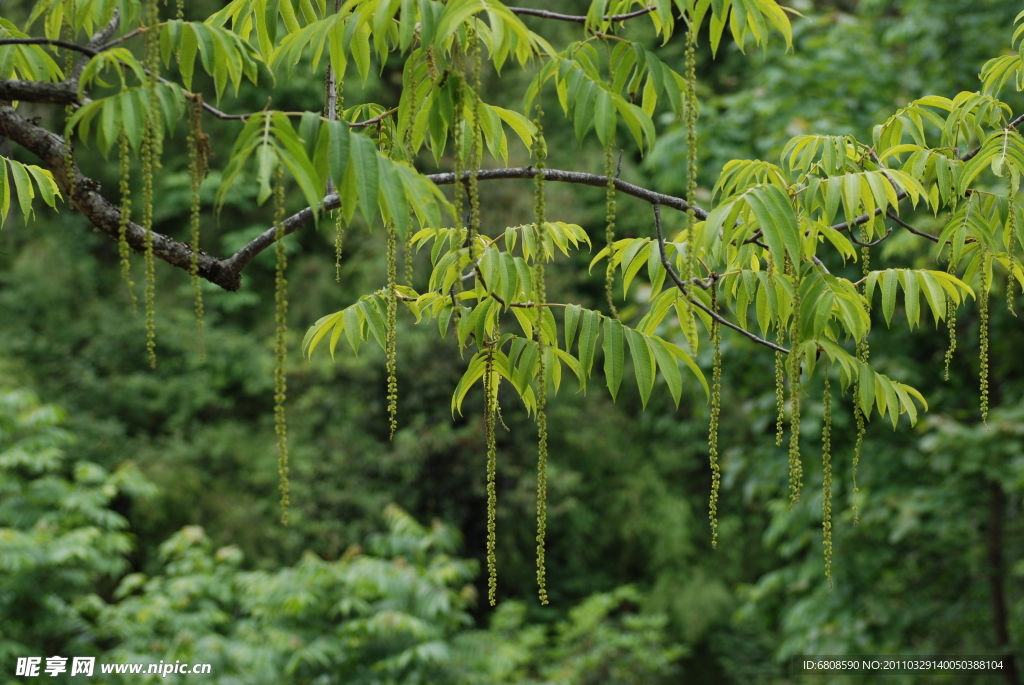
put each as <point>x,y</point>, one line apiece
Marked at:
<point>1000,622</point>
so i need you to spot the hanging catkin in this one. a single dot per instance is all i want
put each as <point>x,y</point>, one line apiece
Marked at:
<point>609,231</point>
<point>490,407</point>
<point>476,145</point>
<point>540,300</point>
<point>950,326</point>
<point>826,483</point>
<point>1011,229</point>
<point>716,409</point>
<point>339,226</point>
<point>392,328</point>
<point>69,110</point>
<point>123,250</point>
<point>863,352</point>
<point>690,113</point>
<point>986,284</point>
<point>150,159</point>
<point>196,171</point>
<point>281,344</point>
<point>796,468</point>
<point>780,368</point>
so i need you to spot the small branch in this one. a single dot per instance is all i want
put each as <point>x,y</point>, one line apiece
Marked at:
<point>370,122</point>
<point>682,288</point>
<point>871,244</point>
<point>127,36</point>
<point>892,215</point>
<point>576,177</point>
<point>577,18</point>
<point>973,153</point>
<point>67,45</point>
<point>95,43</point>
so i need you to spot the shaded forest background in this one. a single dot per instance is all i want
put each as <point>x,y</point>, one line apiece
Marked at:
<point>140,520</point>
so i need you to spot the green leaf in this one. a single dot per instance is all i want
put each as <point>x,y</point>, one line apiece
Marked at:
<point>604,116</point>
<point>588,339</point>
<point>572,317</point>
<point>364,166</point>
<point>777,219</point>
<point>643,363</point>
<point>613,354</point>
<point>373,311</point>
<point>889,281</point>
<point>669,367</point>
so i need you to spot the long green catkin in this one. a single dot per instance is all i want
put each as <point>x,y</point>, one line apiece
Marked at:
<point>281,345</point>
<point>123,249</point>
<point>716,409</point>
<point>690,114</point>
<point>150,161</point>
<point>196,171</point>
<point>339,226</point>
<point>1011,228</point>
<point>796,470</point>
<point>863,352</point>
<point>490,408</point>
<point>69,109</point>
<point>780,369</point>
<point>609,231</point>
<point>540,300</point>
<point>983,296</point>
<point>826,483</point>
<point>392,328</point>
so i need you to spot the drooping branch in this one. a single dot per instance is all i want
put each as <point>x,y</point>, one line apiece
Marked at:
<point>579,19</point>
<point>683,289</point>
<point>892,215</point>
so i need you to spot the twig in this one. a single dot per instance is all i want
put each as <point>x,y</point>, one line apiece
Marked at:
<point>892,215</point>
<point>854,240</point>
<point>682,288</point>
<point>576,177</point>
<point>1013,124</point>
<point>577,18</point>
<point>67,45</point>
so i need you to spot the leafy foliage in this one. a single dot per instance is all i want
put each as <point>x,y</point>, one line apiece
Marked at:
<point>960,155</point>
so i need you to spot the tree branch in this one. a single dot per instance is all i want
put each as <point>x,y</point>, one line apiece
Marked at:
<point>67,45</point>
<point>682,288</point>
<point>38,91</point>
<point>576,177</point>
<point>579,19</point>
<point>892,215</point>
<point>49,147</point>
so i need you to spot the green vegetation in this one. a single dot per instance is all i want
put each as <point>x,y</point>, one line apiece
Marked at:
<point>158,534</point>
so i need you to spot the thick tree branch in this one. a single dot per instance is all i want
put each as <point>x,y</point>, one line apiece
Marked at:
<point>579,19</point>
<point>38,91</point>
<point>49,147</point>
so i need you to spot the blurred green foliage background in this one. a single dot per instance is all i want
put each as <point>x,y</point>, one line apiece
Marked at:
<point>139,521</point>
